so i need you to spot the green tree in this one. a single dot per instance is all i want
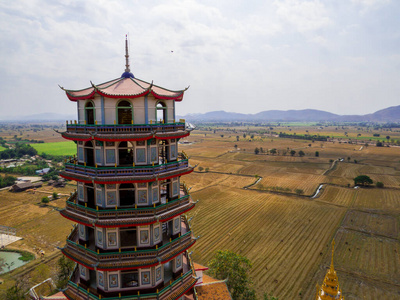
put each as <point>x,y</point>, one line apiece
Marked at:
<point>15,292</point>
<point>55,195</point>
<point>201,169</point>
<point>235,268</point>
<point>292,152</point>
<point>256,151</point>
<point>362,180</point>
<point>272,151</point>
<point>45,200</point>
<point>65,268</point>
<point>301,153</point>
<point>316,153</point>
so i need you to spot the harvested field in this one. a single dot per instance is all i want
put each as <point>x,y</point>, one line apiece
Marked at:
<point>378,199</point>
<point>337,195</point>
<point>290,182</point>
<point>376,224</point>
<point>282,236</point>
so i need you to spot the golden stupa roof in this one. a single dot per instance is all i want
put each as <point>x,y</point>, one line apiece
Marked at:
<point>330,289</point>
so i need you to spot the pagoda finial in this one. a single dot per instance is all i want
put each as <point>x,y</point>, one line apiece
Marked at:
<point>127,69</point>
<point>127,73</point>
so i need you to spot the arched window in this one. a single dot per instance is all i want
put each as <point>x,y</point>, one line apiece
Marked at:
<point>127,194</point>
<point>125,153</point>
<point>161,112</point>
<point>89,154</point>
<point>89,112</point>
<point>124,112</point>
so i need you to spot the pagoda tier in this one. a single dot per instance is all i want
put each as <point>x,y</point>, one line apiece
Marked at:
<point>132,236</point>
<point>88,213</point>
<point>173,286</point>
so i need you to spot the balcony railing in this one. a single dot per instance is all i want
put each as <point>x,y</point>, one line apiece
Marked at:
<point>126,128</point>
<point>73,166</point>
<point>100,213</point>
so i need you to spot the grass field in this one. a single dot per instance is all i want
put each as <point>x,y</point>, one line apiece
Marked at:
<point>57,148</point>
<point>2,148</point>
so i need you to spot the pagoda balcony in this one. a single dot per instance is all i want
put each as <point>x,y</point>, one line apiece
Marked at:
<point>125,128</point>
<point>121,217</point>
<point>72,166</point>
<point>126,259</point>
<point>172,289</point>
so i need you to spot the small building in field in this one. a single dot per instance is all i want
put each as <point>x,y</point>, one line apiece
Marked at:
<point>22,186</point>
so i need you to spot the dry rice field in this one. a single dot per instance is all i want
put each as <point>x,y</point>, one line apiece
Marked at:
<point>288,237</point>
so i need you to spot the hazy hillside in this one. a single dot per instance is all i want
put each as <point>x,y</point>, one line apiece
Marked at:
<point>390,114</point>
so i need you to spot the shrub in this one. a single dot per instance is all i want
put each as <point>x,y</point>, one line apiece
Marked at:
<point>299,191</point>
<point>45,200</point>
<point>379,184</point>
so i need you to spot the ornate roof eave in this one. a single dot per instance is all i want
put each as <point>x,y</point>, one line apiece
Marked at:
<point>146,91</point>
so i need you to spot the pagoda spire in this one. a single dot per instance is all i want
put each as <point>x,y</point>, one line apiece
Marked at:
<point>127,73</point>
<point>330,289</point>
<point>127,69</point>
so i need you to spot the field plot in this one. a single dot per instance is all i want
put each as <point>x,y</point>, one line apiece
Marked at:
<point>372,223</point>
<point>35,223</point>
<point>363,254</point>
<point>282,236</point>
<point>58,148</point>
<point>201,180</point>
<point>290,182</point>
<point>337,195</point>
<point>378,199</point>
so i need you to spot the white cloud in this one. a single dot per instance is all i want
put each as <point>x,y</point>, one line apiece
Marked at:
<point>303,15</point>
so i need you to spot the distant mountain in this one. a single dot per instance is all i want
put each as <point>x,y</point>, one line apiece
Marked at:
<point>390,114</point>
<point>40,117</point>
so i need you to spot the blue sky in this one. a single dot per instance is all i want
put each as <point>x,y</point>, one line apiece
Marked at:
<point>240,56</point>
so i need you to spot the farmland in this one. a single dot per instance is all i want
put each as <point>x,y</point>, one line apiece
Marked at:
<point>60,148</point>
<point>262,206</point>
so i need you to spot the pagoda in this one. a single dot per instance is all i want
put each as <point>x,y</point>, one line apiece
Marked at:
<point>132,238</point>
<point>330,289</point>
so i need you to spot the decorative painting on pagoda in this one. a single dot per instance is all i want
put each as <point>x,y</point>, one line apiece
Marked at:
<point>142,195</point>
<point>113,280</point>
<point>145,277</point>
<point>144,236</point>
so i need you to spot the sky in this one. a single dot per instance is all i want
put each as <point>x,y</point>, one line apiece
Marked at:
<point>238,56</point>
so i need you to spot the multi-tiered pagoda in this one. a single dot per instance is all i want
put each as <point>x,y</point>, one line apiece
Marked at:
<point>132,237</point>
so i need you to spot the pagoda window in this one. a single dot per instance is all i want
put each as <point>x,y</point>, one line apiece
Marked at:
<point>89,154</point>
<point>162,151</point>
<point>127,195</point>
<point>142,198</point>
<point>99,195</point>
<point>175,187</point>
<point>111,195</point>
<point>129,279</point>
<point>140,153</point>
<point>172,153</point>
<point>110,153</point>
<point>153,151</point>
<point>90,195</point>
<point>89,113</point>
<point>124,112</point>
<point>164,190</point>
<point>161,112</point>
<point>125,153</point>
<point>155,195</point>
<point>128,238</point>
